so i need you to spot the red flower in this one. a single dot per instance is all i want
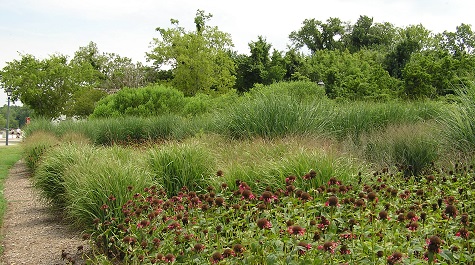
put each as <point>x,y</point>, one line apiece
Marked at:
<point>329,246</point>
<point>304,247</point>
<point>296,230</point>
<point>263,223</point>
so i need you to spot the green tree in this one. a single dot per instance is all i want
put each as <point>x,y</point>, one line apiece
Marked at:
<point>366,34</point>
<point>43,85</point>
<point>412,39</point>
<point>200,60</point>
<point>106,71</point>
<point>459,43</point>
<point>316,35</point>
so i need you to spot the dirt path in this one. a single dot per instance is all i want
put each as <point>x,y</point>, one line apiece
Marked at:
<point>30,233</point>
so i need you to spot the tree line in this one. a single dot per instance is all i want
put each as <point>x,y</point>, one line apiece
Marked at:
<point>360,61</point>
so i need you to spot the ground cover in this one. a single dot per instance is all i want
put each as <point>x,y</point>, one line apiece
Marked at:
<point>385,218</point>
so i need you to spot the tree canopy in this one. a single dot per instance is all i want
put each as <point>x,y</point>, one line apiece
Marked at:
<point>200,60</point>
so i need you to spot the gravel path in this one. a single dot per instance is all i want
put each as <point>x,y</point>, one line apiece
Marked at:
<point>31,234</point>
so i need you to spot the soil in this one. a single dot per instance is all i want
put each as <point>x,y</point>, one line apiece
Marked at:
<point>31,232</point>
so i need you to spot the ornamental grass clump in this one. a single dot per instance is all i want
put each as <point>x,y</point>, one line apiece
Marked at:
<point>176,166</point>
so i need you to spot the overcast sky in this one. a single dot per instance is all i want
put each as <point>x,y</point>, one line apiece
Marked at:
<point>45,27</point>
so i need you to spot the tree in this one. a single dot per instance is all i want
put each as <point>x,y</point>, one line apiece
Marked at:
<point>316,35</point>
<point>411,40</point>
<point>43,85</point>
<point>366,34</point>
<point>460,42</point>
<point>200,60</point>
<point>106,71</point>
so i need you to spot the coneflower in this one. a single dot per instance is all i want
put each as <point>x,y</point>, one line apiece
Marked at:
<point>296,230</point>
<point>463,233</point>
<point>451,211</point>
<point>228,253</point>
<point>199,247</point>
<point>263,223</point>
<point>303,247</point>
<point>329,246</point>
<point>332,201</point>
<point>238,248</point>
<point>170,258</point>
<point>433,244</point>
<point>395,258</point>
<point>216,257</point>
<point>383,215</point>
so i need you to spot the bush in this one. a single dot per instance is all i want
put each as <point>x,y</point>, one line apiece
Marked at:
<point>147,101</point>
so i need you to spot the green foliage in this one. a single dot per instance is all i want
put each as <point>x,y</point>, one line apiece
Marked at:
<point>49,176</point>
<point>43,85</point>
<point>316,35</point>
<point>200,60</point>
<point>10,155</point>
<point>35,146</point>
<point>18,115</point>
<point>458,126</point>
<point>412,148</point>
<point>175,166</point>
<point>146,101</point>
<point>353,119</point>
<point>354,76</point>
<point>300,91</point>
<point>103,176</point>
<point>268,115</point>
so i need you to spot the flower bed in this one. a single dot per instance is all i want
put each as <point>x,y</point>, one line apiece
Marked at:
<point>382,219</point>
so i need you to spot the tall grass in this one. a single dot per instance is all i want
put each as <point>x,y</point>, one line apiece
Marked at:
<point>182,165</point>
<point>49,175</point>
<point>35,145</point>
<point>107,176</point>
<point>352,120</point>
<point>458,124</point>
<point>413,148</point>
<point>121,130</point>
<point>269,116</point>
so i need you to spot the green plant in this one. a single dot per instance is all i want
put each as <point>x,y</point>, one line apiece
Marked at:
<point>182,165</point>
<point>458,126</point>
<point>48,177</point>
<point>109,176</point>
<point>35,145</point>
<point>411,147</point>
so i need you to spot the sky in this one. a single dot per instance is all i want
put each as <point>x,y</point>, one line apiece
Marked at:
<point>126,27</point>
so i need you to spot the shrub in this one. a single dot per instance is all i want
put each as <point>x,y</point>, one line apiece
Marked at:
<point>144,102</point>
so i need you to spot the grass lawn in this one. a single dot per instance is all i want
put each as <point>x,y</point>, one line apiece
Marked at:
<point>9,155</point>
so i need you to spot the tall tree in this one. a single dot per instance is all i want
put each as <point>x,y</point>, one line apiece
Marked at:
<point>411,39</point>
<point>367,34</point>
<point>199,60</point>
<point>460,42</point>
<point>317,35</point>
<point>106,71</point>
<point>43,85</point>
